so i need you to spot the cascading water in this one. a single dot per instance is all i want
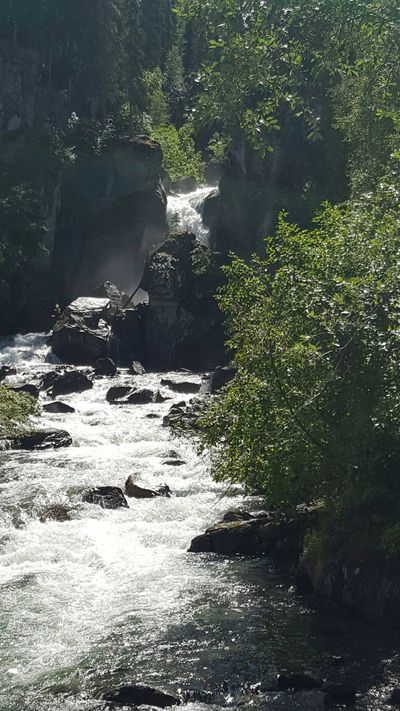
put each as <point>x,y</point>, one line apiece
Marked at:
<point>184,211</point>
<point>112,597</point>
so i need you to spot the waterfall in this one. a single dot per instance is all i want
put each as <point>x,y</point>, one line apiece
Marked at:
<point>184,211</point>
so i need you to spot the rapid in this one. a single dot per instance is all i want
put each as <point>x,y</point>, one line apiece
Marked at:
<point>112,597</point>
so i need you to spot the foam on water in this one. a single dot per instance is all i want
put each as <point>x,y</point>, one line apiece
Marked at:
<point>185,212</point>
<point>113,597</point>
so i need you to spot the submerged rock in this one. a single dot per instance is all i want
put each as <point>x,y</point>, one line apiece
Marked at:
<point>141,695</point>
<point>181,386</point>
<point>56,512</point>
<point>108,497</point>
<point>341,693</point>
<point>138,492</point>
<point>58,407</point>
<point>105,366</point>
<point>42,439</point>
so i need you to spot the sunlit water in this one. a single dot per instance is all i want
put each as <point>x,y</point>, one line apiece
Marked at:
<point>113,597</point>
<point>184,211</point>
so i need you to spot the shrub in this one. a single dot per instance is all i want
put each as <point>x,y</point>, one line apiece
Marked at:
<point>181,160</point>
<point>15,411</point>
<point>314,412</point>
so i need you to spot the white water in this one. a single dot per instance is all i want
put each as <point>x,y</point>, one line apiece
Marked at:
<point>184,211</point>
<point>112,597</point>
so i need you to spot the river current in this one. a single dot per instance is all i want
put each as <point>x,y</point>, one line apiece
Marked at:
<point>111,598</point>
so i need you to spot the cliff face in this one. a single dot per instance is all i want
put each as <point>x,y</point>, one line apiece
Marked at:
<point>21,95</point>
<point>112,212</point>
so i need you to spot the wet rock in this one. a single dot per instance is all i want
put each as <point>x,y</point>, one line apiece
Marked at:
<point>69,381</point>
<point>297,682</point>
<point>58,407</point>
<point>237,516</point>
<point>110,291</point>
<point>140,396</point>
<point>42,439</point>
<point>82,334</point>
<point>174,463</point>
<point>28,388</point>
<point>141,695</point>
<point>164,490</point>
<point>105,366</point>
<point>185,417</point>
<point>220,377</point>
<point>281,538</point>
<point>181,386</point>
<point>183,326</point>
<point>136,368</point>
<point>394,698</point>
<point>203,697</point>
<point>117,392</point>
<point>55,512</point>
<point>171,454</point>
<point>153,416</point>
<point>340,692</point>
<point>138,492</point>
<point>6,370</point>
<point>108,497</point>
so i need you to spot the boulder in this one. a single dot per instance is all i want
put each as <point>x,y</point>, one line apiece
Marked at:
<point>164,490</point>
<point>133,696</point>
<point>136,368</point>
<point>70,381</point>
<point>237,516</point>
<point>219,378</point>
<point>181,386</point>
<point>184,416</point>
<point>56,512</point>
<point>281,538</point>
<point>142,396</point>
<point>83,334</point>
<point>108,290</point>
<point>42,439</point>
<point>60,408</point>
<point>106,367</point>
<point>6,370</point>
<point>117,392</point>
<point>28,388</point>
<point>183,325</point>
<point>108,497</point>
<point>138,492</point>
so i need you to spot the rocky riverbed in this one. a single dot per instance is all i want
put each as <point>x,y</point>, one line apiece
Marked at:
<point>96,599</point>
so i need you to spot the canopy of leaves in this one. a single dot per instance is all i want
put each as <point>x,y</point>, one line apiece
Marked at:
<point>313,414</point>
<point>181,160</point>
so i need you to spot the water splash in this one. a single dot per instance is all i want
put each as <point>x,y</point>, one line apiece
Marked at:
<point>184,211</point>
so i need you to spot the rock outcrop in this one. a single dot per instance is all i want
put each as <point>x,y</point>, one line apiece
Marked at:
<point>42,439</point>
<point>108,497</point>
<point>183,322</point>
<point>113,211</point>
<point>82,335</point>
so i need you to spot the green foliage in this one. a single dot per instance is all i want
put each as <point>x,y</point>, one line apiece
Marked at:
<point>181,160</point>
<point>15,411</point>
<point>315,325</point>
<point>156,101</point>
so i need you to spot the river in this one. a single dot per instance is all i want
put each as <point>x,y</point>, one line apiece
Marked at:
<point>112,597</point>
